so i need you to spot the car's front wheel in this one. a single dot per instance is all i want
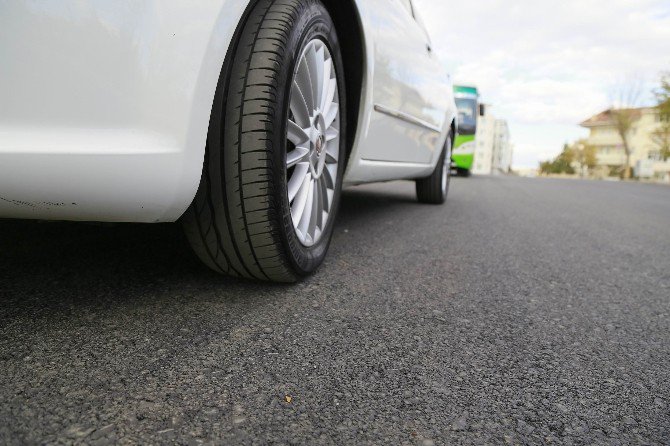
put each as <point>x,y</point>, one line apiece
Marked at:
<point>274,160</point>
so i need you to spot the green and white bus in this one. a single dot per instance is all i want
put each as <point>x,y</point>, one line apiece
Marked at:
<point>467,103</point>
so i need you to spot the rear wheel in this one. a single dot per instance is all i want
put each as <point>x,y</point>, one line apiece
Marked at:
<point>274,160</point>
<point>434,189</point>
<point>462,172</point>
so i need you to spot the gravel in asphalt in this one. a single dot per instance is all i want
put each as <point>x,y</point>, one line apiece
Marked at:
<point>526,311</point>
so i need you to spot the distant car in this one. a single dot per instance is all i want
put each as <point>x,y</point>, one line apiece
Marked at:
<point>243,119</point>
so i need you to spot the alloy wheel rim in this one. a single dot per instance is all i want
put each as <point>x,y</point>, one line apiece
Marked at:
<point>313,142</point>
<point>446,168</point>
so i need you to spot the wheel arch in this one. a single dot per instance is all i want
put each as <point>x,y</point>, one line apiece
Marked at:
<point>348,24</point>
<point>214,68</point>
<point>346,16</point>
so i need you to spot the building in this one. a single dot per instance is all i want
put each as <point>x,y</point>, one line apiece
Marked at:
<point>484,143</point>
<point>645,158</point>
<point>493,151</point>
<point>502,147</point>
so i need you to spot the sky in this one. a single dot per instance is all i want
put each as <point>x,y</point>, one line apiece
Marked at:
<point>547,65</point>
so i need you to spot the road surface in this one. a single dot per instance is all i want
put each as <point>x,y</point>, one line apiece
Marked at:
<point>525,311</point>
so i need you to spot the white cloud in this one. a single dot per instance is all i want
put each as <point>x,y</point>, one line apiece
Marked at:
<point>548,65</point>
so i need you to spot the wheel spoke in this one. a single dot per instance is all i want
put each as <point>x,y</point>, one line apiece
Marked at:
<point>325,199</point>
<point>331,156</point>
<point>299,105</point>
<point>315,79</point>
<point>301,200</point>
<point>296,134</point>
<point>332,133</point>
<point>331,113</point>
<point>319,57</point>
<point>296,156</point>
<point>305,82</point>
<point>306,214</point>
<point>297,180</point>
<point>333,146</point>
<point>315,219</point>
<point>328,85</point>
<point>330,175</point>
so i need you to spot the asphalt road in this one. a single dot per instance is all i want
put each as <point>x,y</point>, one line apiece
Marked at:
<point>524,311</point>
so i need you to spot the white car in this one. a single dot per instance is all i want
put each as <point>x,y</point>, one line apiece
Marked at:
<point>242,119</point>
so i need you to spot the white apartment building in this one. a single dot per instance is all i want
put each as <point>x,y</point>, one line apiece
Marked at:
<point>493,150</point>
<point>502,147</point>
<point>483,162</point>
<point>645,156</point>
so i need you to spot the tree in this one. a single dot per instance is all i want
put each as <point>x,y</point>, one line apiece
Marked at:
<point>661,136</point>
<point>624,113</point>
<point>585,155</point>
<point>589,157</point>
<point>561,164</point>
<point>623,119</point>
<point>661,139</point>
<point>663,98</point>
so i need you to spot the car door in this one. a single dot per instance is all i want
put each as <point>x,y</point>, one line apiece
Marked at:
<point>409,88</point>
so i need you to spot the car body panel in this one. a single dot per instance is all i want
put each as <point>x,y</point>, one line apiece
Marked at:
<point>104,106</point>
<point>402,77</point>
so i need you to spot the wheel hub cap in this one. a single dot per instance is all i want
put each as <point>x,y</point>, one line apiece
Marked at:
<point>319,144</point>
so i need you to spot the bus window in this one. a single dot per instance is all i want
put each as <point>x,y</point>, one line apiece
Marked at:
<point>467,115</point>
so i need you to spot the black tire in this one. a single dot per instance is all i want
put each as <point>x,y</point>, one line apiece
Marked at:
<point>462,172</point>
<point>432,189</point>
<point>239,222</point>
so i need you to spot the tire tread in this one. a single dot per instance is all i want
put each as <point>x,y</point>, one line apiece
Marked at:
<point>429,190</point>
<point>242,238</point>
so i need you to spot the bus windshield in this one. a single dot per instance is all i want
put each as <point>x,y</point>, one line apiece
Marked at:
<point>467,115</point>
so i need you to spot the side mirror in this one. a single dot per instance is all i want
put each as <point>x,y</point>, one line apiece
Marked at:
<point>482,109</point>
